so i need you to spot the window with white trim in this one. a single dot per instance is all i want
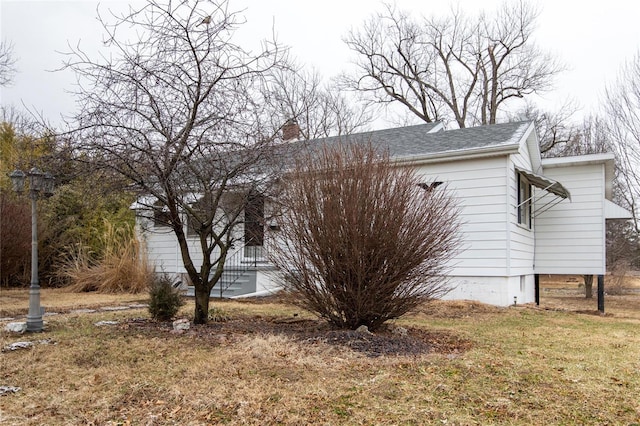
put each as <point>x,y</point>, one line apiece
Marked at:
<point>524,201</point>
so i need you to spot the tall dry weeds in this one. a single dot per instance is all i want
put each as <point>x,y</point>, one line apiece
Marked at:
<point>615,282</point>
<point>122,269</point>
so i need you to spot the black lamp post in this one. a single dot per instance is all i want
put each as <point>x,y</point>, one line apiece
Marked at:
<point>40,185</point>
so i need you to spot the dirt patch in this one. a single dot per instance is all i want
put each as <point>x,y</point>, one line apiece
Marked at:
<point>411,341</point>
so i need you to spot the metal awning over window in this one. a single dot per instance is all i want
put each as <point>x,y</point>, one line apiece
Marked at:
<point>550,186</point>
<point>546,184</point>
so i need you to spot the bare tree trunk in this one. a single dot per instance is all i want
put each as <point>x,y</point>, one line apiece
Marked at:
<point>588,286</point>
<point>201,314</point>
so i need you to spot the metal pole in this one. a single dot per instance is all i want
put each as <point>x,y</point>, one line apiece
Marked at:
<point>601,293</point>
<point>34,318</point>
<point>537,288</point>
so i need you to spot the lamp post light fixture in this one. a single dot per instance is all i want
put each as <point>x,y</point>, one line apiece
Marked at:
<point>40,185</point>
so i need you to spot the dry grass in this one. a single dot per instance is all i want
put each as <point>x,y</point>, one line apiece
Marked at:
<point>15,302</point>
<point>566,292</point>
<point>527,365</point>
<point>122,269</point>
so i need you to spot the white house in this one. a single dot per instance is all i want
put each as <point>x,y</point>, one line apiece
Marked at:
<point>522,215</point>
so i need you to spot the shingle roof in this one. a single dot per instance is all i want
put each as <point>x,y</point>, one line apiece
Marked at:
<point>421,139</point>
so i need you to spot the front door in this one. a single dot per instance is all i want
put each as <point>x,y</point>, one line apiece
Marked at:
<point>254,225</point>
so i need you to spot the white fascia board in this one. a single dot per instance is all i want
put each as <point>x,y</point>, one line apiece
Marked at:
<point>608,159</point>
<point>462,154</point>
<point>532,143</point>
<point>577,160</point>
<point>437,127</point>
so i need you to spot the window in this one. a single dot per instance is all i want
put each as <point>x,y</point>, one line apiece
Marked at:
<point>192,226</point>
<point>254,220</point>
<point>524,201</point>
<point>161,216</point>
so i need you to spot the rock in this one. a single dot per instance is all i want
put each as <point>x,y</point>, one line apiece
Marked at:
<point>138,306</point>
<point>103,323</point>
<point>400,331</point>
<point>82,311</point>
<point>181,325</point>
<point>16,327</point>
<point>363,329</point>
<point>9,389</point>
<point>114,308</point>
<point>17,345</point>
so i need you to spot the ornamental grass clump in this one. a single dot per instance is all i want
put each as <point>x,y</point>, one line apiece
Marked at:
<point>123,267</point>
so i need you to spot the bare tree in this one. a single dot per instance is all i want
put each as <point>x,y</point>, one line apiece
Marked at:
<point>622,125</point>
<point>360,241</point>
<point>7,63</point>
<point>556,131</point>
<point>622,109</point>
<point>454,69</point>
<point>173,108</point>
<point>320,110</point>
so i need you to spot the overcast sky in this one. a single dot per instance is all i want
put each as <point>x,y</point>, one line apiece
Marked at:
<point>593,38</point>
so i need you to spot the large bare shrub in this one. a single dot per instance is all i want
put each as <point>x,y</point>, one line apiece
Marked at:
<point>360,242</point>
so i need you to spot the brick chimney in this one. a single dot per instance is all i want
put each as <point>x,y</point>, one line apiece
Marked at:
<point>290,130</point>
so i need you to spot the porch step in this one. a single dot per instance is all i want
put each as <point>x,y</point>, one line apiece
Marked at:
<point>243,284</point>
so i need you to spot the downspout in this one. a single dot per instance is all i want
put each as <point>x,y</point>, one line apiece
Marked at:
<point>510,172</point>
<point>536,276</point>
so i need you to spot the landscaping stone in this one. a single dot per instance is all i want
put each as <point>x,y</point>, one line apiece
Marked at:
<point>103,323</point>
<point>16,327</point>
<point>363,329</point>
<point>181,325</point>
<point>82,311</point>
<point>400,331</point>
<point>16,346</point>
<point>4,390</point>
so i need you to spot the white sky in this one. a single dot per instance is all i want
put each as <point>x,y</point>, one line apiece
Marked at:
<point>593,38</point>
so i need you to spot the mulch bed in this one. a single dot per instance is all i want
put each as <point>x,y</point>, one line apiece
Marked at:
<point>384,342</point>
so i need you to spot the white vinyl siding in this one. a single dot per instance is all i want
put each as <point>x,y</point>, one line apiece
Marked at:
<point>163,249</point>
<point>521,242</point>
<point>570,237</point>
<point>480,188</point>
